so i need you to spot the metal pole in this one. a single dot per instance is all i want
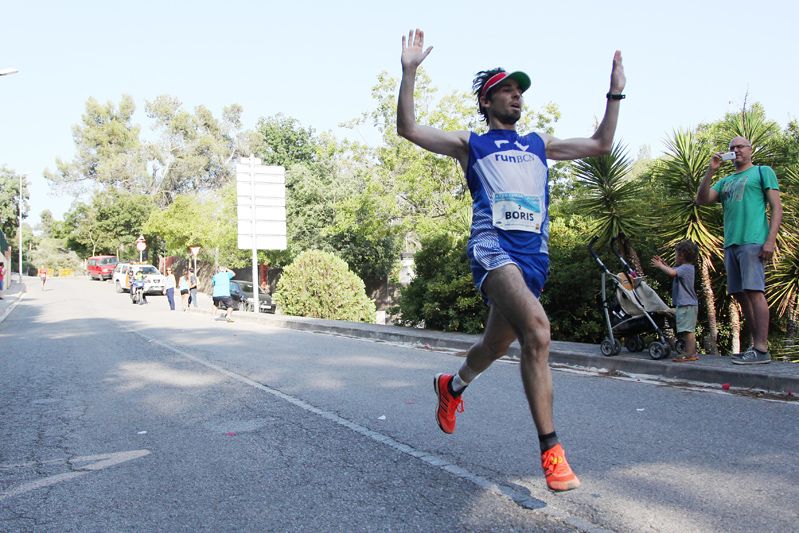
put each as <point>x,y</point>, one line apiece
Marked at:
<point>20,228</point>
<point>256,301</point>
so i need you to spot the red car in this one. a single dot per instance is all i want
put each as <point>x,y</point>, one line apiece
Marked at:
<point>101,266</point>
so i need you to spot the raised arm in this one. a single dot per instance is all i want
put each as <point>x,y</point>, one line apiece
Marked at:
<point>452,143</point>
<point>705,195</point>
<point>601,141</point>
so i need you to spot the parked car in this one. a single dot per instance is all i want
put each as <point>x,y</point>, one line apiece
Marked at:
<point>265,299</point>
<point>119,278</point>
<point>101,266</point>
<point>153,279</point>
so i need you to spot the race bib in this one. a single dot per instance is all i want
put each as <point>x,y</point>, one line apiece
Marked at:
<point>516,211</point>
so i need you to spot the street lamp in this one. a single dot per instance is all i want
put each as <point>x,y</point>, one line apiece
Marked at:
<point>20,228</point>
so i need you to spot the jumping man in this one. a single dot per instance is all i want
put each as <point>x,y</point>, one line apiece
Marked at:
<point>507,177</point>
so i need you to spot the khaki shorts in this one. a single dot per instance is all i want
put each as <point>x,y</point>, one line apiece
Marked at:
<point>686,318</point>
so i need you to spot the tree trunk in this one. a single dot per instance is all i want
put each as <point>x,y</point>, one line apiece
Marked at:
<point>710,302</point>
<point>791,333</point>
<point>630,253</point>
<point>735,326</point>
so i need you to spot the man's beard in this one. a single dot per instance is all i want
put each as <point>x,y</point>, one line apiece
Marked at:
<point>508,117</point>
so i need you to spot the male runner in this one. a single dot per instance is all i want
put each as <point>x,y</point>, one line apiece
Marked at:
<point>507,177</point>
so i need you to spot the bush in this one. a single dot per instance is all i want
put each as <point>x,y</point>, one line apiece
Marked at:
<point>320,285</point>
<point>442,296</point>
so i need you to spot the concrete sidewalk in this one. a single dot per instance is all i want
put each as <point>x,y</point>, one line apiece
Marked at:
<point>10,295</point>
<point>776,378</point>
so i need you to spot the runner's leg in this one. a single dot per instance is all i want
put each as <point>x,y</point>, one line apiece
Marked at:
<point>522,313</point>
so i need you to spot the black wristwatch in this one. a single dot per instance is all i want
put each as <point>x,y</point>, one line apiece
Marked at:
<point>619,96</point>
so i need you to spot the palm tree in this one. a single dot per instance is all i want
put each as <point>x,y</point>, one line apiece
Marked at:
<point>751,123</point>
<point>680,174</point>
<point>783,280</point>
<point>609,199</point>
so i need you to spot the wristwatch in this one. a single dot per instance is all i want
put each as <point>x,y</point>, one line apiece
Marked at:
<point>619,96</point>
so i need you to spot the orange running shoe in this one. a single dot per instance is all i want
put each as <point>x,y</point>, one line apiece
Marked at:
<point>448,404</point>
<point>557,470</point>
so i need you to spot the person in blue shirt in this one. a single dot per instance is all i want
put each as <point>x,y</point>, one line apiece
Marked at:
<point>507,176</point>
<point>221,292</point>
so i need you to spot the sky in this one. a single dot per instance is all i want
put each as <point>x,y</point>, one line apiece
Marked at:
<point>687,62</point>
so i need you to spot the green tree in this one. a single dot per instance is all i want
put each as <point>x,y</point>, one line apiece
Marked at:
<point>113,220</point>
<point>364,236</point>
<point>283,141</point>
<point>609,199</point>
<point>52,253</point>
<point>185,222</point>
<point>195,150</point>
<point>9,201</point>
<point>110,152</point>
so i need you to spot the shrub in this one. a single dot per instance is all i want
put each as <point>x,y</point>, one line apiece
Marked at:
<point>320,285</point>
<point>442,295</point>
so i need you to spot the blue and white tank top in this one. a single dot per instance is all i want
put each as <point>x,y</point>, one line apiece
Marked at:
<point>507,176</point>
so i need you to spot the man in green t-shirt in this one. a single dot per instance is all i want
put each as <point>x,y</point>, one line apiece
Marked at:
<point>749,237</point>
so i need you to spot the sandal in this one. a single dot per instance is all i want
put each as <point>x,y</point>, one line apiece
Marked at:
<point>686,358</point>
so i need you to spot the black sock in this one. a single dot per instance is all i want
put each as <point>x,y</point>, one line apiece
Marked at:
<point>547,441</point>
<point>454,394</point>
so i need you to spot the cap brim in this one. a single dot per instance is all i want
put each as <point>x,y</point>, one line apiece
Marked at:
<point>521,78</point>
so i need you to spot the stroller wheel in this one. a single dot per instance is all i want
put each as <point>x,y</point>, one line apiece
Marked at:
<point>608,348</point>
<point>659,350</point>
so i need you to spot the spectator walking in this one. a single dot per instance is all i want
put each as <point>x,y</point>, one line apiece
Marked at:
<point>749,237</point>
<point>169,288</point>
<point>193,289</point>
<point>183,287</point>
<point>221,292</point>
<point>683,295</point>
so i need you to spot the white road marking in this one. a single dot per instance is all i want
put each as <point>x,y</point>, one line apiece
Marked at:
<point>100,462</point>
<point>11,307</point>
<point>520,497</point>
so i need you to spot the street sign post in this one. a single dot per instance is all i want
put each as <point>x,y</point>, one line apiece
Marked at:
<point>141,245</point>
<point>194,251</point>
<point>261,195</point>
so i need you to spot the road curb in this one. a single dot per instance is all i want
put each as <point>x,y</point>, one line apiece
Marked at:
<point>11,301</point>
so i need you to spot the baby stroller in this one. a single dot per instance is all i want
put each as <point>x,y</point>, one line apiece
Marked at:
<point>636,312</point>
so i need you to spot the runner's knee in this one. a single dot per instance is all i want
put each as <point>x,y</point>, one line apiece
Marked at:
<point>536,334</point>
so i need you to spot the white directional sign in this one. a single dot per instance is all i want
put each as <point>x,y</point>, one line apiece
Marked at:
<point>261,192</point>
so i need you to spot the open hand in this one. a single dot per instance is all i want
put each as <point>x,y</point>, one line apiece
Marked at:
<point>617,78</point>
<point>767,252</point>
<point>413,51</point>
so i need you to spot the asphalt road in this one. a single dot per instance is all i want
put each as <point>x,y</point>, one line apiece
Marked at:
<point>116,417</point>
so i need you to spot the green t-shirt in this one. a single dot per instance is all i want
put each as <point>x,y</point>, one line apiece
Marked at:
<point>743,197</point>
